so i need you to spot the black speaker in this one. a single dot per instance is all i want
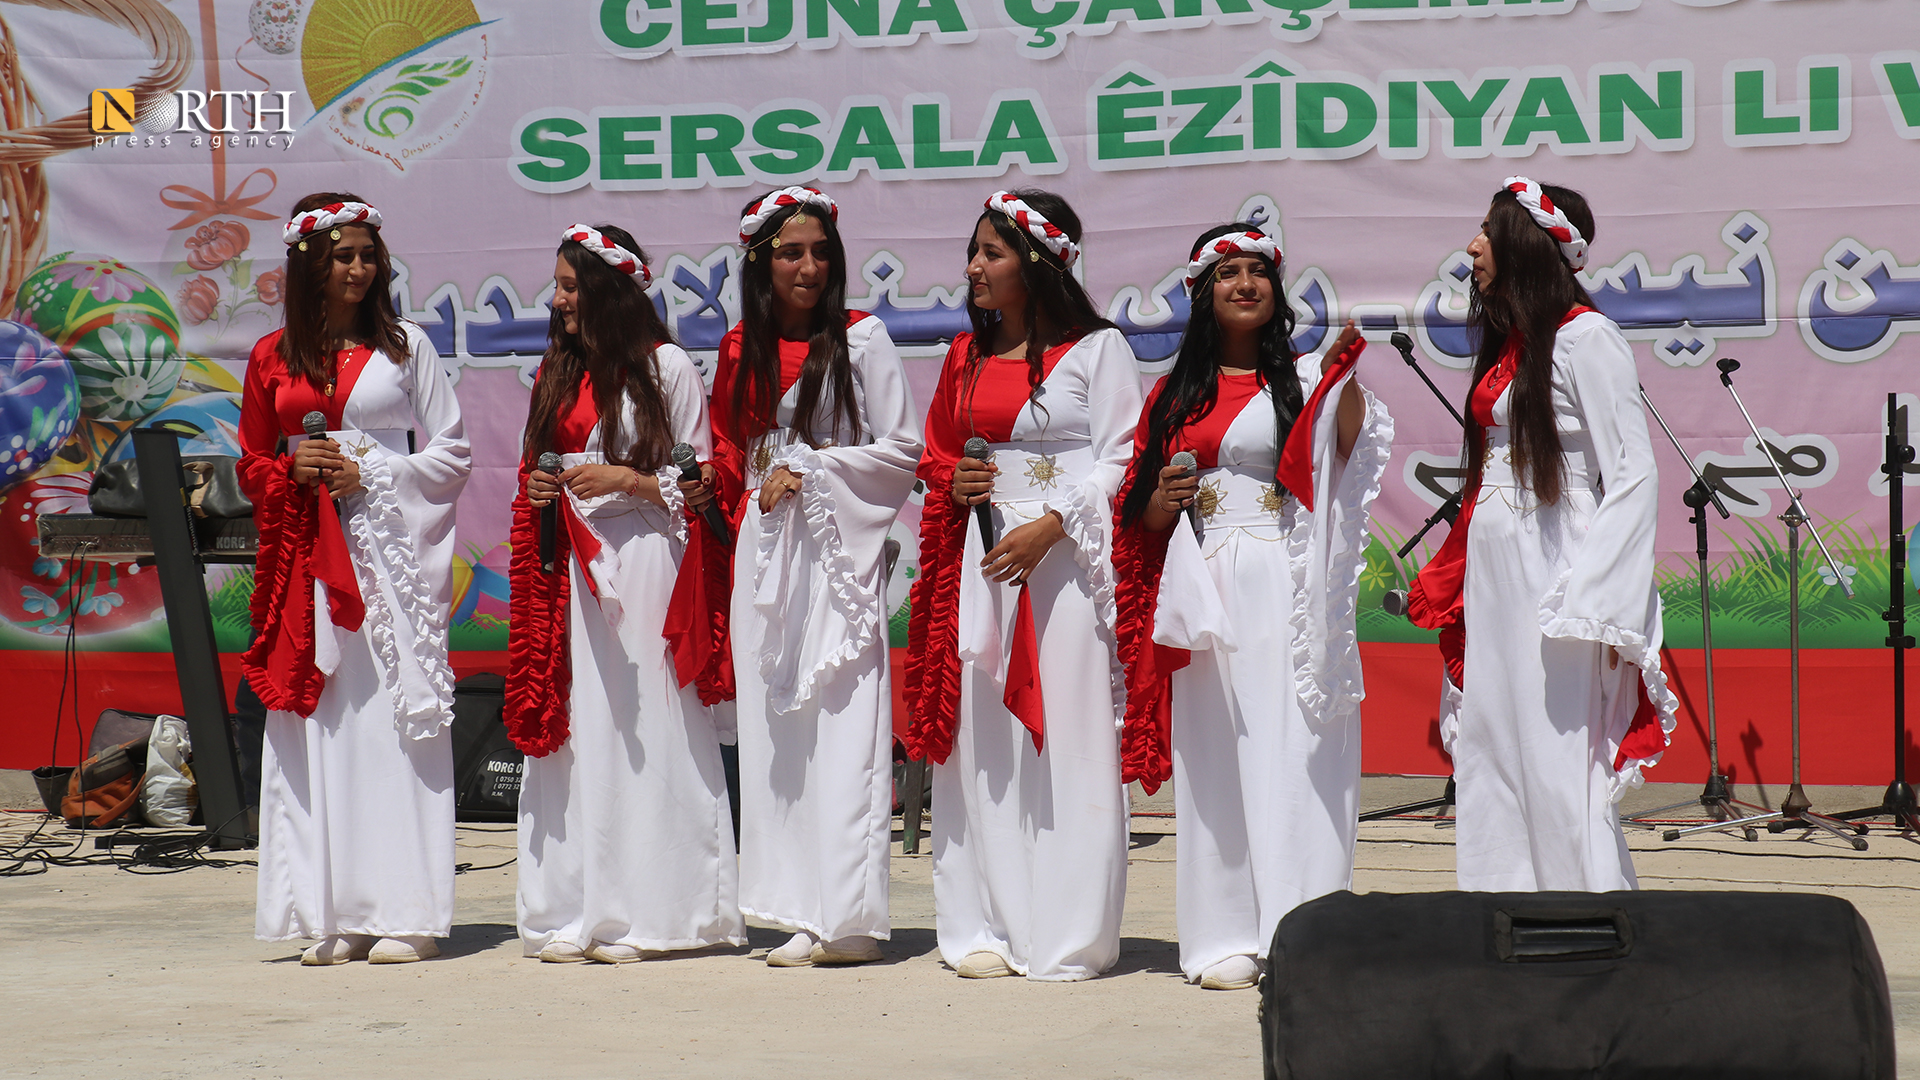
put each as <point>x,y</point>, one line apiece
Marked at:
<point>1623,984</point>
<point>486,764</point>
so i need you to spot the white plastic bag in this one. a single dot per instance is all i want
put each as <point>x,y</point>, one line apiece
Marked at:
<point>167,793</point>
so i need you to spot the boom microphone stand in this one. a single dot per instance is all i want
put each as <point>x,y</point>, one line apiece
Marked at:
<point>1716,798</point>
<point>1898,803</point>
<point>1395,602</point>
<point>1796,810</point>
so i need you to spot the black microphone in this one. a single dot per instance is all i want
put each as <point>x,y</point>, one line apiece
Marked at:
<point>1185,460</point>
<point>1394,603</point>
<point>1727,365</point>
<point>549,463</point>
<point>315,424</point>
<point>682,455</point>
<point>977,449</point>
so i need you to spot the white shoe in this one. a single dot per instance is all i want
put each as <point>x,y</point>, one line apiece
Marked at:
<point>1233,973</point>
<point>854,949</point>
<point>402,950</point>
<point>336,949</point>
<point>797,952</point>
<point>562,952</point>
<point>983,965</point>
<point>616,954</point>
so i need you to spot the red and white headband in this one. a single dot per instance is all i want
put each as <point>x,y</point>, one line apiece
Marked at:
<point>1573,246</point>
<point>332,217</point>
<point>774,202</point>
<point>610,253</point>
<point>1037,226</point>
<point>1241,243</point>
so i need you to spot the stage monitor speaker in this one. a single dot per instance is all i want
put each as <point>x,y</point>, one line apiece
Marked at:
<point>486,765</point>
<point>1615,985</point>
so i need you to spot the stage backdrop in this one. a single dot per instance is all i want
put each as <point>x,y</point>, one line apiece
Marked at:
<point>1750,162</point>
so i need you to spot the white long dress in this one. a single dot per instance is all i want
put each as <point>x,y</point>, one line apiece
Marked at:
<point>1030,847</point>
<point>626,837</point>
<point>356,802</point>
<point>1541,717</point>
<point>813,692</point>
<point>1266,715</point>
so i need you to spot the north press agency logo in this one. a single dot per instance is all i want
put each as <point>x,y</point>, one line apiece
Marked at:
<point>214,119</point>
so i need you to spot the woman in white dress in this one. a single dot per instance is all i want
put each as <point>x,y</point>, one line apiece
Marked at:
<point>350,602</point>
<point>815,442</point>
<point>1017,692</point>
<point>1544,591</point>
<point>626,838</point>
<point>1242,633</point>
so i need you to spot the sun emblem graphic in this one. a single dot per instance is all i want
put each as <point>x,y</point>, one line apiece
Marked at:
<point>1043,470</point>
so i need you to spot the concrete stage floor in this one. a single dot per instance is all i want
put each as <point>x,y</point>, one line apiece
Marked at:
<point>109,974</point>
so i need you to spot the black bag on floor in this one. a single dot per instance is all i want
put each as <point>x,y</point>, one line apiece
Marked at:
<point>486,764</point>
<point>1624,984</point>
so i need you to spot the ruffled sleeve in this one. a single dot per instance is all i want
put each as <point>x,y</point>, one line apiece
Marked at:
<point>849,496</point>
<point>1139,556</point>
<point>428,481</point>
<point>933,656</point>
<point>1086,509</point>
<point>1327,550</point>
<point>1608,595</point>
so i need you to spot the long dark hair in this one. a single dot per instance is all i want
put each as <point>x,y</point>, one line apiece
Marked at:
<point>1192,387</point>
<point>619,331</point>
<point>307,345</point>
<point>1533,288</point>
<point>828,370</point>
<point>1058,308</point>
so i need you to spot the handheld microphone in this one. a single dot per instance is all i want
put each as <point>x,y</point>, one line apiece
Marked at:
<point>550,464</point>
<point>977,449</point>
<point>1394,603</point>
<point>1186,460</point>
<point>315,424</point>
<point>689,466</point>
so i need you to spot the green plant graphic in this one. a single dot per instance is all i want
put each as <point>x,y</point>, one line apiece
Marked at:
<point>391,112</point>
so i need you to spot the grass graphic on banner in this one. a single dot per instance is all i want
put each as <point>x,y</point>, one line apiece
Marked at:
<point>1749,592</point>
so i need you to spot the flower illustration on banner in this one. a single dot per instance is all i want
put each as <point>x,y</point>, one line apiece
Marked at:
<point>108,279</point>
<point>199,298</point>
<point>101,603</point>
<point>63,494</point>
<point>271,287</point>
<point>1831,580</point>
<point>214,243</point>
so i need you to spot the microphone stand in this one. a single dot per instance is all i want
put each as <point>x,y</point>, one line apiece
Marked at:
<point>1898,803</point>
<point>1395,602</point>
<point>1797,810</point>
<point>1716,797</point>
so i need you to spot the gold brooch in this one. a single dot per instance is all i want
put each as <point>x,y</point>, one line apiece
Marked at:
<point>1272,499</point>
<point>1042,470</point>
<point>1208,499</point>
<point>762,458</point>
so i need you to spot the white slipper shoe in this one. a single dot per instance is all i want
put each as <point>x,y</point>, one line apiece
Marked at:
<point>617,954</point>
<point>336,949</point>
<point>797,952</point>
<point>982,965</point>
<point>562,952</point>
<point>854,949</point>
<point>1233,973</point>
<point>403,950</point>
